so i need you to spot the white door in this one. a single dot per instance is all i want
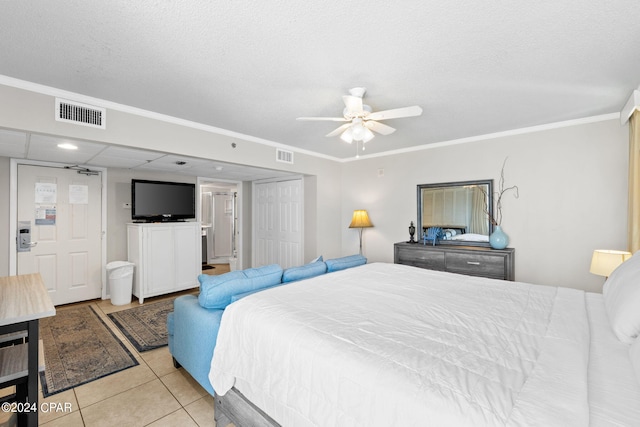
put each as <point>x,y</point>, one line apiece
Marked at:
<point>290,223</point>
<point>64,209</point>
<point>266,226</point>
<point>278,208</point>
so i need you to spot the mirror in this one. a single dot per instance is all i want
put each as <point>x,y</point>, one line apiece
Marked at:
<point>459,208</point>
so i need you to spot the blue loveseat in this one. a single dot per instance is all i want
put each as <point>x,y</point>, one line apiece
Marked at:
<point>193,325</point>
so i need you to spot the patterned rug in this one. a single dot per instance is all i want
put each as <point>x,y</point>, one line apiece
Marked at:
<point>145,326</point>
<point>78,348</point>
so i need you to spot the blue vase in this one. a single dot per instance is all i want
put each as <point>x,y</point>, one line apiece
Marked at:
<point>498,239</point>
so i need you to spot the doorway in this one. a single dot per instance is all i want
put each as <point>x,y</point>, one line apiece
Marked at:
<point>219,222</point>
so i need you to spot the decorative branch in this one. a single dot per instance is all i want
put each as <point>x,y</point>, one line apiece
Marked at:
<point>497,195</point>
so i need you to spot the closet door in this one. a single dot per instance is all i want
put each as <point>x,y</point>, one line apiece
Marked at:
<point>289,204</point>
<point>278,223</point>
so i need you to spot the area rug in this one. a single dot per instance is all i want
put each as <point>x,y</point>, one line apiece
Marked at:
<point>145,326</point>
<point>79,348</point>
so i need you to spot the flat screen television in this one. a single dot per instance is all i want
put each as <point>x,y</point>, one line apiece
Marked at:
<point>153,201</point>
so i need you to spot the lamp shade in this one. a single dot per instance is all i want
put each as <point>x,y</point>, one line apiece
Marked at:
<point>604,261</point>
<point>360,219</point>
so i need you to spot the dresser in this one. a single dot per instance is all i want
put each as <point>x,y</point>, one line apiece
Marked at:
<point>469,260</point>
<point>168,257</point>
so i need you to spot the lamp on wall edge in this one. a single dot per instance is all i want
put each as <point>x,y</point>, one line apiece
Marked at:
<point>604,261</point>
<point>361,221</point>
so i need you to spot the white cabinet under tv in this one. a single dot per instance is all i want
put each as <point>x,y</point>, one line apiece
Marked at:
<point>167,257</point>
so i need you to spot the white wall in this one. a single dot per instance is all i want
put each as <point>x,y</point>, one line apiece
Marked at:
<point>573,186</point>
<point>573,196</point>
<point>130,130</point>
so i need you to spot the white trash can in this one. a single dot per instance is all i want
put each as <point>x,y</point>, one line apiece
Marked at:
<point>120,278</point>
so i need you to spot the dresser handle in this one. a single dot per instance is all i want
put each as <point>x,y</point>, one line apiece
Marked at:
<point>473,263</point>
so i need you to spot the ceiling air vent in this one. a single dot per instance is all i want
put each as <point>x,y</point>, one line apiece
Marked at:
<point>284,156</point>
<point>80,114</point>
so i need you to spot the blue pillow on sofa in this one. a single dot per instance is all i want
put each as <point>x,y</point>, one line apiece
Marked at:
<point>304,271</point>
<point>216,291</point>
<point>338,264</point>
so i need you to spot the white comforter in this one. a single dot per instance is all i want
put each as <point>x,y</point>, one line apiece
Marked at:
<point>387,345</point>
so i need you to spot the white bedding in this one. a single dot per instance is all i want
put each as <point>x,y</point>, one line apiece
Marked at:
<point>614,393</point>
<point>388,344</point>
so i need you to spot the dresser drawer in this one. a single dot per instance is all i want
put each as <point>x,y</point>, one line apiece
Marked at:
<point>418,258</point>
<point>461,259</point>
<point>476,264</point>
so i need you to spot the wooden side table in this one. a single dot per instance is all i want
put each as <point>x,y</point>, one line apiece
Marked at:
<point>23,301</point>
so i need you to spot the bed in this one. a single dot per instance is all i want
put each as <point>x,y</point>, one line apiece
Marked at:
<point>394,345</point>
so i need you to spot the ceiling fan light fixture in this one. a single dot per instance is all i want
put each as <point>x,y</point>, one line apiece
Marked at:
<point>347,135</point>
<point>362,122</point>
<point>368,136</point>
<point>357,130</point>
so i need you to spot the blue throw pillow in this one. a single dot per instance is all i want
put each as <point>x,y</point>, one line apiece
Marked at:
<point>304,271</point>
<point>338,264</point>
<point>216,291</point>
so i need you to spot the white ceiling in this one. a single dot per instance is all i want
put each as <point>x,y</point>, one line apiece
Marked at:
<point>252,67</point>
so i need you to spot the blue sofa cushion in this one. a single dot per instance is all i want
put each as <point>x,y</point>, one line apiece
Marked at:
<point>216,291</point>
<point>304,271</point>
<point>338,264</point>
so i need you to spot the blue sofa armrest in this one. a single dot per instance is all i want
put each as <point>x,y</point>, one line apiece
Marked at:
<point>193,331</point>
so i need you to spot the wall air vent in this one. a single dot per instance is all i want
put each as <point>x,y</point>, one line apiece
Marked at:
<point>80,114</point>
<point>284,156</point>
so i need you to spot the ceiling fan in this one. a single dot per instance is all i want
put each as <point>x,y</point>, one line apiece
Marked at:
<point>362,120</point>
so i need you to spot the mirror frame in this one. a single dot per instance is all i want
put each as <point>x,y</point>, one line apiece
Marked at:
<point>487,182</point>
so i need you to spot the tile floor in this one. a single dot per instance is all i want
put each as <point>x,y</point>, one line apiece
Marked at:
<point>154,393</point>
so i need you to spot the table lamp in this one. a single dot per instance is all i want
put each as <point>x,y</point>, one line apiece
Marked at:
<point>604,261</point>
<point>360,220</point>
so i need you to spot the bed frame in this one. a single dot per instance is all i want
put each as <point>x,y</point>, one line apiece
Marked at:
<point>235,408</point>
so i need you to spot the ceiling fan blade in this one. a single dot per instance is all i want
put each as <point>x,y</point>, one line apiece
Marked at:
<point>382,129</point>
<point>339,130</point>
<point>353,104</point>
<point>395,113</point>
<point>331,119</point>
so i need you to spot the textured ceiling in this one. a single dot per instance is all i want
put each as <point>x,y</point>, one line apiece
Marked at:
<point>252,67</point>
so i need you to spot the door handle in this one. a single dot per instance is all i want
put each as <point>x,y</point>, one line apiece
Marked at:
<point>23,239</point>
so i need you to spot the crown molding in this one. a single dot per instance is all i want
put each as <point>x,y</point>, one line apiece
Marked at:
<point>532,129</point>
<point>633,104</point>
<point>55,92</point>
